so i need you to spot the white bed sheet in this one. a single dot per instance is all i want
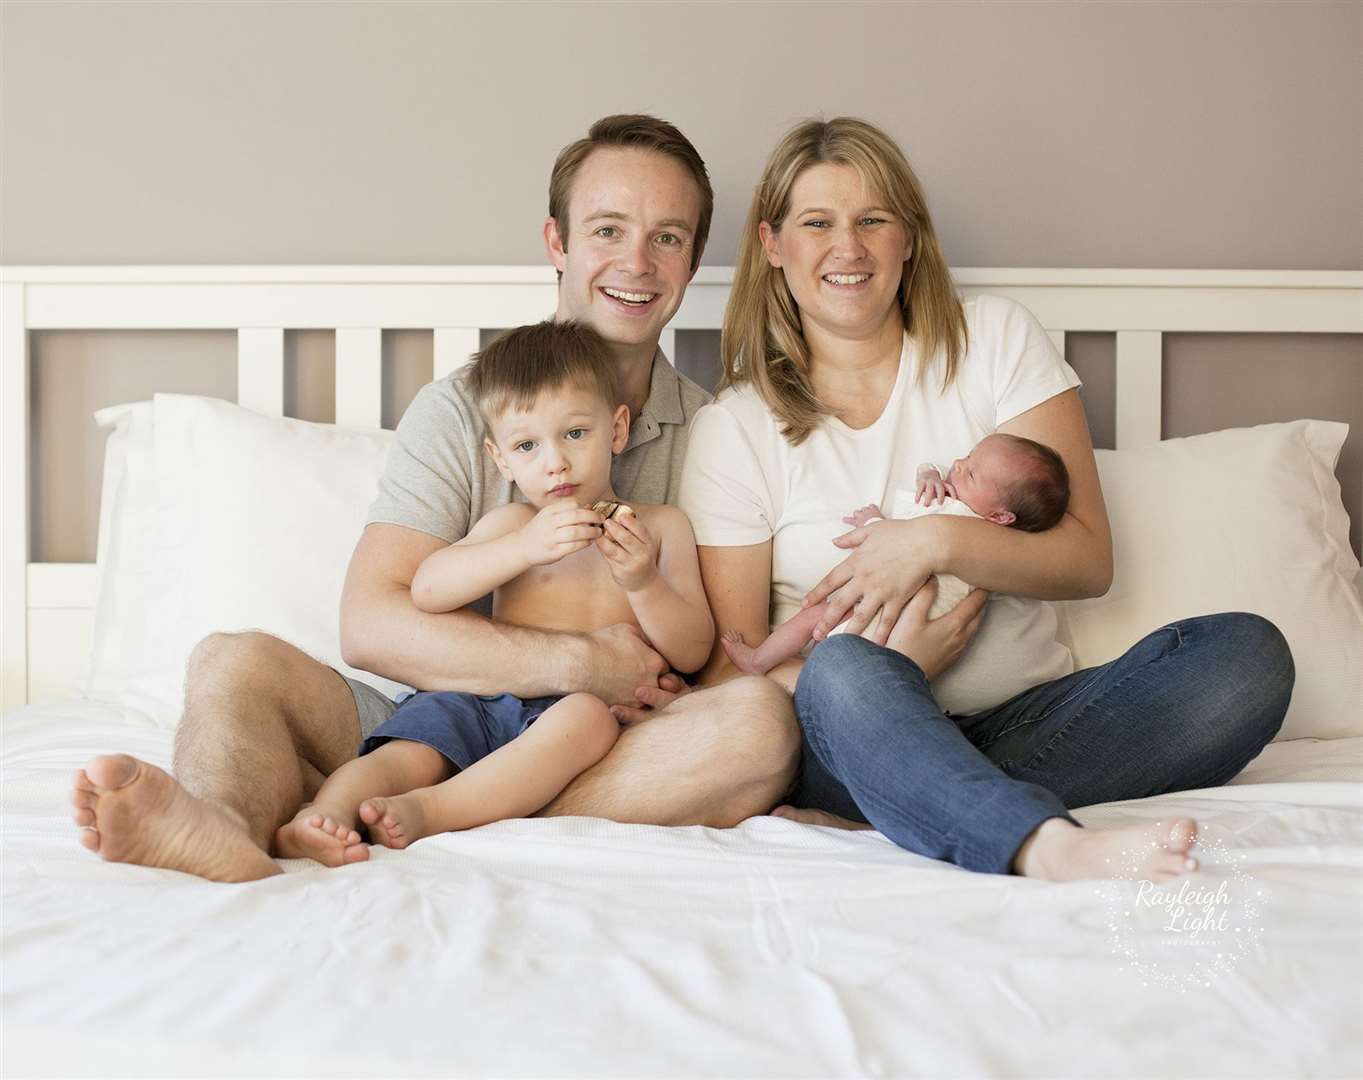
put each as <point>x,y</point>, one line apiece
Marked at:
<point>577,947</point>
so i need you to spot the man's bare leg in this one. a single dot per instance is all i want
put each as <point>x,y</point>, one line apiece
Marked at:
<point>263,724</point>
<point>713,757</point>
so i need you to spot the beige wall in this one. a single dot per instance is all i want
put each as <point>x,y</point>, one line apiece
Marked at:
<point>1212,135</point>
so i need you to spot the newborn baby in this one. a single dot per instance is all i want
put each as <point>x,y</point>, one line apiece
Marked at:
<point>1006,479</point>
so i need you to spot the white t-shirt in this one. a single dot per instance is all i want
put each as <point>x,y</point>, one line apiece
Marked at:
<point>743,483</point>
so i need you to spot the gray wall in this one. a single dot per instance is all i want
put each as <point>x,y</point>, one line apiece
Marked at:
<point>1208,135</point>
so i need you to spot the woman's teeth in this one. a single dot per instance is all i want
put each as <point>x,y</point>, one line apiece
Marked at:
<point>846,279</point>
<point>629,297</point>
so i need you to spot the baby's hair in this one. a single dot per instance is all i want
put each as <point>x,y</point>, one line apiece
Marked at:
<point>1040,493</point>
<point>523,363</point>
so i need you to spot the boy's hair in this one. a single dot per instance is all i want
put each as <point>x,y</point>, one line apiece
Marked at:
<point>632,131</point>
<point>1040,492</point>
<point>523,363</point>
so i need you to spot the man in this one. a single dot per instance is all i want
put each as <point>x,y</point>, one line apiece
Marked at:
<point>264,724</point>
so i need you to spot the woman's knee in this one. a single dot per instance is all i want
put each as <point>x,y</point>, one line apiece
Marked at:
<point>841,668</point>
<point>1249,670</point>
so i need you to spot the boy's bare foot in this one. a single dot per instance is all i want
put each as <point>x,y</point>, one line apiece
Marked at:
<point>818,817</point>
<point>740,655</point>
<point>395,821</point>
<point>1157,851</point>
<point>132,812</point>
<point>316,834</point>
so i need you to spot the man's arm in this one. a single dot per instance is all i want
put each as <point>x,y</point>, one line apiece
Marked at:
<point>383,631</point>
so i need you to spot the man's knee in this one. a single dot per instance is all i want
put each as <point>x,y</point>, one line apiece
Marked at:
<point>757,718</point>
<point>249,661</point>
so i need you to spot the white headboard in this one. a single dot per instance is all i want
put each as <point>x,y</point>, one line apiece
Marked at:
<point>46,609</point>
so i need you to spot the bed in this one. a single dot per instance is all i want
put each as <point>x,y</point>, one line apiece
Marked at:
<point>579,947</point>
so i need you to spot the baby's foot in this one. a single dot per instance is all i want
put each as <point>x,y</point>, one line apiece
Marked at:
<point>395,821</point>
<point>1157,851</point>
<point>317,834</point>
<point>742,656</point>
<point>818,817</point>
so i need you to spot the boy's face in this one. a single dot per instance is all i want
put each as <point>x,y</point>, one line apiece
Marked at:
<point>561,446</point>
<point>626,256</point>
<point>980,477</point>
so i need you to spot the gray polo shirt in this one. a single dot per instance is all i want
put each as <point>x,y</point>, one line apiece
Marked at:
<point>440,480</point>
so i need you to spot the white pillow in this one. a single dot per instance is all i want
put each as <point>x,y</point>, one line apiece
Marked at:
<point>1248,519</point>
<point>225,519</point>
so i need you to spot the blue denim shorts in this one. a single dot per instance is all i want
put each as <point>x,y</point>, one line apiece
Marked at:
<point>463,727</point>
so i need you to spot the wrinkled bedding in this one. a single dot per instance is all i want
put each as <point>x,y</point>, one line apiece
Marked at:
<point>577,947</point>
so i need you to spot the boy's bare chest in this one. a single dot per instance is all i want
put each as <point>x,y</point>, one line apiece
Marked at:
<point>575,593</point>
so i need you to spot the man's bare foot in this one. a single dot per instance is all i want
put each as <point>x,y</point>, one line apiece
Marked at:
<point>395,821</point>
<point>132,812</point>
<point>1157,851</point>
<point>741,656</point>
<point>316,834</point>
<point>818,817</point>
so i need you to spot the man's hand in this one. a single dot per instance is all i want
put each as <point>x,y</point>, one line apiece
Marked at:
<point>651,699</point>
<point>889,562</point>
<point>935,644</point>
<point>622,662</point>
<point>630,550</point>
<point>560,528</point>
<point>931,487</point>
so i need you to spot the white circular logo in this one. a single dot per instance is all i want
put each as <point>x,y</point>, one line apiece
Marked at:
<point>1184,933</point>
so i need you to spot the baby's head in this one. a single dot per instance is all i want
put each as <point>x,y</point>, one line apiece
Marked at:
<point>1013,481</point>
<point>548,394</point>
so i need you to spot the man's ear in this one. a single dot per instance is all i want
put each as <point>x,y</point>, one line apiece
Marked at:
<point>619,429</point>
<point>496,455</point>
<point>553,244</point>
<point>1003,517</point>
<point>767,235</point>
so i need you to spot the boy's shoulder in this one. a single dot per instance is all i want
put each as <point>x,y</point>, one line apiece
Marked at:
<point>668,521</point>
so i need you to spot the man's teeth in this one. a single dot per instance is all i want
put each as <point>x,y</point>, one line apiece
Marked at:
<point>846,279</point>
<point>630,297</point>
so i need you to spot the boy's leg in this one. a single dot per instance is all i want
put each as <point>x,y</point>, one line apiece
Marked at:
<point>263,724</point>
<point>513,781</point>
<point>392,769</point>
<point>712,757</point>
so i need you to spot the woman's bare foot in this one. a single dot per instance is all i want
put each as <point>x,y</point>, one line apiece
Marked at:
<point>740,655</point>
<point>818,817</point>
<point>1157,851</point>
<point>317,834</point>
<point>132,812</point>
<point>395,821</point>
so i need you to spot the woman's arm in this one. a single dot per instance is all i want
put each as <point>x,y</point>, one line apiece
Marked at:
<point>890,560</point>
<point>738,585</point>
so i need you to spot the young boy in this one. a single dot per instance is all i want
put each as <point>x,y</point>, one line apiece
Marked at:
<point>1005,479</point>
<point>570,558</point>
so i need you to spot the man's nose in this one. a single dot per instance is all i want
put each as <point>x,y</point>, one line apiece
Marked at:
<point>637,256</point>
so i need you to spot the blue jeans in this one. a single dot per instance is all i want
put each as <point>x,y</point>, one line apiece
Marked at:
<point>1187,707</point>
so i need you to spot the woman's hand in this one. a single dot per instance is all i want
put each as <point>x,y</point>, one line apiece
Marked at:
<point>935,644</point>
<point>889,563</point>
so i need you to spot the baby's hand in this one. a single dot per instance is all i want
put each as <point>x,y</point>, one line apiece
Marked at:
<point>864,516</point>
<point>931,487</point>
<point>630,550</point>
<point>559,529</point>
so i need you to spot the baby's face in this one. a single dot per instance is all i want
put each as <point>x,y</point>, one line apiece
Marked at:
<point>561,446</point>
<point>979,478</point>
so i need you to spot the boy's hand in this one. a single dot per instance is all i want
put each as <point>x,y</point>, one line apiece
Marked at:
<point>931,487</point>
<point>560,528</point>
<point>630,550</point>
<point>864,516</point>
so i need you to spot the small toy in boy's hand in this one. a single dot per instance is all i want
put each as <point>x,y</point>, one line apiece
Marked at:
<point>610,509</point>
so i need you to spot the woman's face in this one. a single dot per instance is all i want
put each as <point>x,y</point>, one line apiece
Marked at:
<point>842,251</point>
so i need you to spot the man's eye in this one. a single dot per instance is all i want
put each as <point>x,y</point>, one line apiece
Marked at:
<point>668,239</point>
<point>607,232</point>
<point>577,433</point>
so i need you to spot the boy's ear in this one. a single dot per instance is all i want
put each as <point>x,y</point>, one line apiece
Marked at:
<point>496,455</point>
<point>1003,517</point>
<point>620,429</point>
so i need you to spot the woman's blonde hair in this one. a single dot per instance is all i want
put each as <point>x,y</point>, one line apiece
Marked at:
<point>763,341</point>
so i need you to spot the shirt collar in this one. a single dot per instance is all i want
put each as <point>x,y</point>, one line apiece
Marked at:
<point>663,406</point>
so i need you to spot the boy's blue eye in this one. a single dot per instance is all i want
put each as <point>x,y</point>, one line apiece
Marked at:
<point>524,447</point>
<point>577,433</point>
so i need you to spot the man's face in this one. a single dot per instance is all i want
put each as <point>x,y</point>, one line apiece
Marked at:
<point>561,446</point>
<point>626,255</point>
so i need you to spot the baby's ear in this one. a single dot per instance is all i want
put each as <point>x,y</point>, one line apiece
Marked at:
<point>1003,517</point>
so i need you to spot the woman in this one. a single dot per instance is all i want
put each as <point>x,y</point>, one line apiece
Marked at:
<point>849,359</point>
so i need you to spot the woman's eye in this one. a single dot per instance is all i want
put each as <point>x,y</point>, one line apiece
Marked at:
<point>577,433</point>
<point>872,221</point>
<point>817,224</point>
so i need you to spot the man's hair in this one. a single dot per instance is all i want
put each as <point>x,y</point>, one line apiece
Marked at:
<point>632,131</point>
<point>523,363</point>
<point>1040,492</point>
